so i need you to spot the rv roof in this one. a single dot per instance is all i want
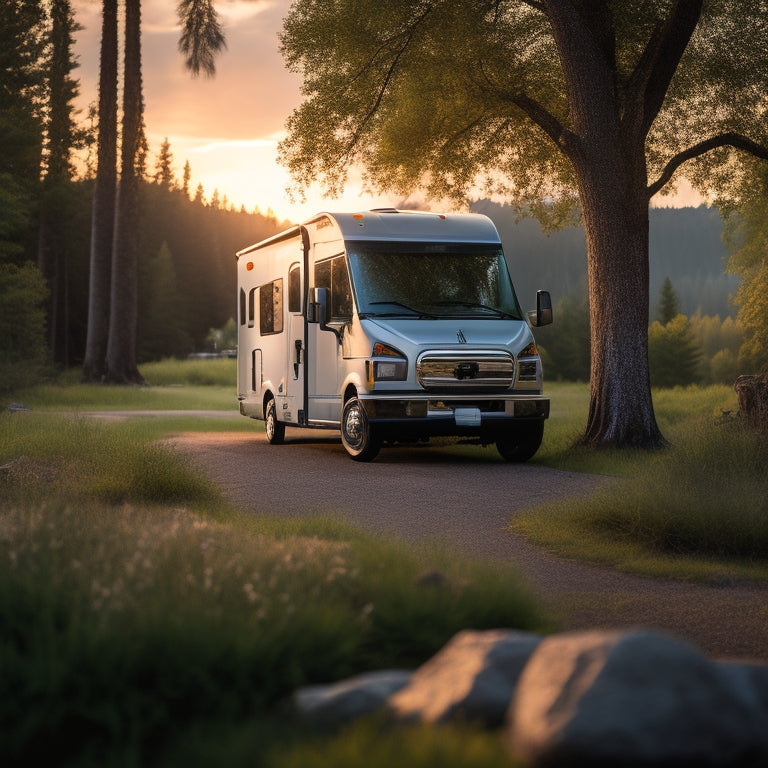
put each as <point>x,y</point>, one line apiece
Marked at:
<point>392,224</point>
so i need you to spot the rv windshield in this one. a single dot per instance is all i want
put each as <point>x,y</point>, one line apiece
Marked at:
<point>434,280</point>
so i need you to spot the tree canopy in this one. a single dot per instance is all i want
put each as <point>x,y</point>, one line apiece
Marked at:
<point>748,236</point>
<point>461,97</point>
<point>544,102</point>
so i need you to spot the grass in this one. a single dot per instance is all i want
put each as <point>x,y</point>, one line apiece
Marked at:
<point>140,615</point>
<point>170,385</point>
<point>697,510</point>
<point>143,621</point>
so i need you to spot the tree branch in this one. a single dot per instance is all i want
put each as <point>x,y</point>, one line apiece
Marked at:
<point>387,79</point>
<point>648,84</point>
<point>541,116</point>
<point>735,140</point>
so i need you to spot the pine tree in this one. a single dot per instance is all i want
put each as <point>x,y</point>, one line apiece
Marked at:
<point>673,353</point>
<point>123,310</point>
<point>104,201</point>
<point>185,179</point>
<point>668,303</point>
<point>61,137</point>
<point>164,175</point>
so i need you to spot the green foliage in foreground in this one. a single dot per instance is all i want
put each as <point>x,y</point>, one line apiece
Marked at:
<point>698,509</point>
<point>137,611</point>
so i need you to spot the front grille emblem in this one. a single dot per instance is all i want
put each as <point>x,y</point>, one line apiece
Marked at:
<point>460,336</point>
<point>466,371</point>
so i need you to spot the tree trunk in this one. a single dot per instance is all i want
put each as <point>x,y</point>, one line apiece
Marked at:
<point>121,346</point>
<point>606,145</point>
<point>620,407</point>
<point>103,214</point>
<point>753,401</point>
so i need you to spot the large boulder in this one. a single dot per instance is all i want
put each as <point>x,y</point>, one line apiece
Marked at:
<point>636,699</point>
<point>471,679</point>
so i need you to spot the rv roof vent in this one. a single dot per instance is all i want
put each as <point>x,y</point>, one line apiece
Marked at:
<point>385,210</point>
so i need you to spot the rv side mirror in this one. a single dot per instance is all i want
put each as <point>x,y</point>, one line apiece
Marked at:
<point>542,315</point>
<point>317,312</point>
<point>317,308</point>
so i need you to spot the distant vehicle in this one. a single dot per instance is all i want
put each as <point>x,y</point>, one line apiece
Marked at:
<point>390,326</point>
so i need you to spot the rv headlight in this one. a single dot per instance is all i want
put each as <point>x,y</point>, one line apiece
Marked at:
<point>386,364</point>
<point>528,363</point>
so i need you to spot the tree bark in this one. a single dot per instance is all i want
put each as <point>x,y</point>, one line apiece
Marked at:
<point>104,194</point>
<point>620,408</point>
<point>121,345</point>
<point>753,401</point>
<point>606,145</point>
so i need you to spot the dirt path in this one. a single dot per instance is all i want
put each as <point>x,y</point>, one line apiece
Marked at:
<point>421,495</point>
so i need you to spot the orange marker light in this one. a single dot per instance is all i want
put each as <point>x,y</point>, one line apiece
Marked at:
<point>249,266</point>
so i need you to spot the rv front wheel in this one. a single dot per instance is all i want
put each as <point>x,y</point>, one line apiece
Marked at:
<point>275,429</point>
<point>357,435</point>
<point>522,441</point>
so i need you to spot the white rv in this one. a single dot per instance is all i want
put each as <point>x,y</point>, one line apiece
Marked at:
<point>390,326</point>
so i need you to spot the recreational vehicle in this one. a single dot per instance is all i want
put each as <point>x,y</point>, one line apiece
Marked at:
<point>389,326</point>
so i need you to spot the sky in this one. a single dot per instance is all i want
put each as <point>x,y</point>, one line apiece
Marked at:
<point>228,126</point>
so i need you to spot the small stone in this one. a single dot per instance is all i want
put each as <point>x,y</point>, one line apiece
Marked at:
<point>351,698</point>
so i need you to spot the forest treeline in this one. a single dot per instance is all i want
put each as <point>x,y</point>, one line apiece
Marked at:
<point>186,244</point>
<point>694,334</point>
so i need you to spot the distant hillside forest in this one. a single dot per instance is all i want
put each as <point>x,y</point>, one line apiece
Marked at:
<point>693,334</point>
<point>187,275</point>
<point>686,246</point>
<point>187,265</point>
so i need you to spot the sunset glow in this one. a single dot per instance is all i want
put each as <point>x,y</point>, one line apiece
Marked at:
<point>228,126</point>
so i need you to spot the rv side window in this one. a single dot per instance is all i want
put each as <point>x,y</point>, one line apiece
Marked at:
<point>242,307</point>
<point>332,274</point>
<point>252,306</point>
<point>271,307</point>
<point>294,289</point>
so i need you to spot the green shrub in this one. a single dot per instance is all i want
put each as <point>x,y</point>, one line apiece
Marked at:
<point>22,326</point>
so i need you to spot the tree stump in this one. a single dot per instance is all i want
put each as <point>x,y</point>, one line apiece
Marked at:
<point>753,401</point>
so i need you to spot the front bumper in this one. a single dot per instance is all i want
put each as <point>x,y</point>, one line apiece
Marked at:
<point>417,416</point>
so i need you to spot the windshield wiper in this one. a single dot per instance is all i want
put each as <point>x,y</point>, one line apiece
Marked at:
<point>475,305</point>
<point>418,312</point>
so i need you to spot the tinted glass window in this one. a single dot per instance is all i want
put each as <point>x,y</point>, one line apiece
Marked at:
<point>271,307</point>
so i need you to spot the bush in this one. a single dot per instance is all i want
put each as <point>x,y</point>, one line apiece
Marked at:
<point>673,354</point>
<point>22,326</point>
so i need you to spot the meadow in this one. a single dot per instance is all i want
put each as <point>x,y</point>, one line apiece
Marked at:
<point>143,621</point>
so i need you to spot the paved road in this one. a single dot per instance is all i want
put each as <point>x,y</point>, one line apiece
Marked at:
<point>425,494</point>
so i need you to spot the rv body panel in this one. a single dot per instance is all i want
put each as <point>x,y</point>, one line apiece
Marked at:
<point>393,325</point>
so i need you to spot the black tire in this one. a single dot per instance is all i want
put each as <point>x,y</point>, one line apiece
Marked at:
<point>357,435</point>
<point>521,441</point>
<point>275,429</point>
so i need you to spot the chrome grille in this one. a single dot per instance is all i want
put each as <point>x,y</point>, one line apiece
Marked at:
<point>451,370</point>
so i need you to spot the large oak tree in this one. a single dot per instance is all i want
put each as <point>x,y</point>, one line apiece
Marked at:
<point>547,102</point>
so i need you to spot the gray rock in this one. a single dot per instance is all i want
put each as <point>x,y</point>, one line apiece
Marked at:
<point>471,679</point>
<point>352,698</point>
<point>636,699</point>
